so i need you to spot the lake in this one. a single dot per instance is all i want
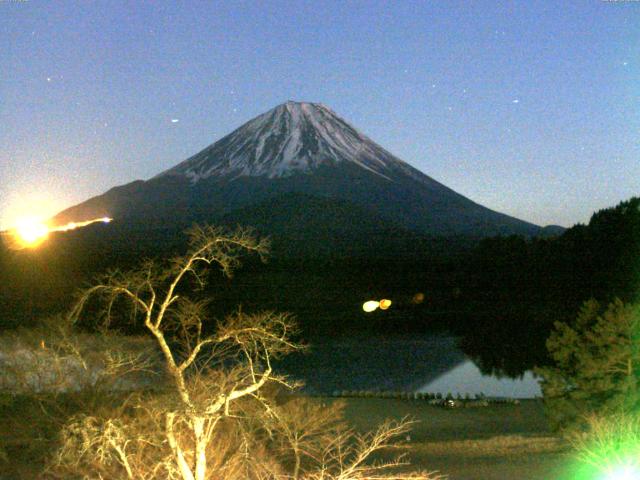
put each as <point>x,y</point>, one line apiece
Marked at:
<point>427,363</point>
<point>467,379</point>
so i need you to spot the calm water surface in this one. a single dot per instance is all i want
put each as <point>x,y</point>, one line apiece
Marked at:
<point>467,379</point>
<point>428,363</point>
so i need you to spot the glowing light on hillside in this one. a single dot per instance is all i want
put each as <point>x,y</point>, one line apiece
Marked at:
<point>370,306</point>
<point>74,225</point>
<point>30,232</point>
<point>384,304</point>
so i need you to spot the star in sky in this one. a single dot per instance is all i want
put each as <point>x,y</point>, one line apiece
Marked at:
<point>444,50</point>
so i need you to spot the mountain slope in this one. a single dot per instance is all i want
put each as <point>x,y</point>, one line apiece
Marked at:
<point>300,148</point>
<point>326,226</point>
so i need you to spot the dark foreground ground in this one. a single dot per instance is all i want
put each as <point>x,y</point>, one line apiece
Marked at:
<point>499,442</point>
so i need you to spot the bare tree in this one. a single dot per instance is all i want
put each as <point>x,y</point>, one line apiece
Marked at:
<point>348,456</point>
<point>217,416</point>
<point>322,447</point>
<point>303,429</point>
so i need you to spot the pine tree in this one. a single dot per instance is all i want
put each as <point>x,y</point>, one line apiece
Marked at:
<point>597,365</point>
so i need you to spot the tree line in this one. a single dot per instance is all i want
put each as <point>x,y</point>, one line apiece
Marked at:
<point>523,286</point>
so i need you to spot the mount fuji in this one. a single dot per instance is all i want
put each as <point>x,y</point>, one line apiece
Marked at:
<point>298,166</point>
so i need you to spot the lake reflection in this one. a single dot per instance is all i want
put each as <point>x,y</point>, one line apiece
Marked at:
<point>426,363</point>
<point>467,379</point>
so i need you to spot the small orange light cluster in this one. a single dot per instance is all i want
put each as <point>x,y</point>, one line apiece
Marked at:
<point>372,305</point>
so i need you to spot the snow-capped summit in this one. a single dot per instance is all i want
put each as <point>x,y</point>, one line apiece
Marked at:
<point>291,165</point>
<point>291,138</point>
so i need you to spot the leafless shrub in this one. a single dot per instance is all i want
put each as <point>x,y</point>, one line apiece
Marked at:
<point>348,456</point>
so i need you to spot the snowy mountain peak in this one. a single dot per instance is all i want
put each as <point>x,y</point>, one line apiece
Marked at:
<point>279,170</point>
<point>294,137</point>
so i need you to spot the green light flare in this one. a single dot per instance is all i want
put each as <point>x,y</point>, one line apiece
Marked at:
<point>614,468</point>
<point>624,472</point>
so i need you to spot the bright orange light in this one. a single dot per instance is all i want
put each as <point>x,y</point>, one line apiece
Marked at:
<point>384,304</point>
<point>74,225</point>
<point>373,305</point>
<point>31,232</point>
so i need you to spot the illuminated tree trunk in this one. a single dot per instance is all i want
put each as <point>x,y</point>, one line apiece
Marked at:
<point>296,468</point>
<point>183,466</point>
<point>200,447</point>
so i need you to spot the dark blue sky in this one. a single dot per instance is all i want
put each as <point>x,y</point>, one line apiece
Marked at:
<point>527,107</point>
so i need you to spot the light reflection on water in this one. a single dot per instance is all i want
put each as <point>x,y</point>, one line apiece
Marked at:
<point>423,363</point>
<point>467,379</point>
